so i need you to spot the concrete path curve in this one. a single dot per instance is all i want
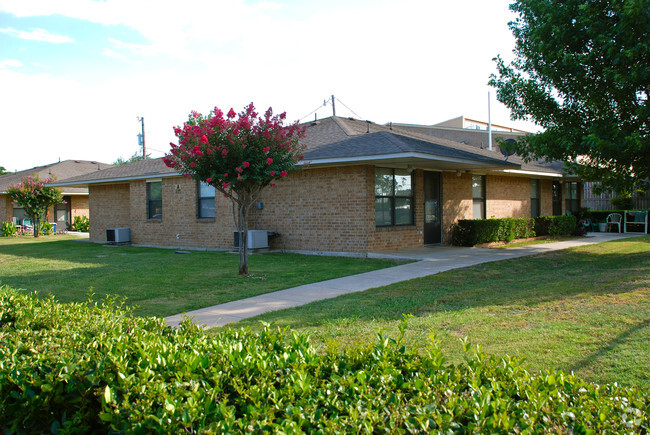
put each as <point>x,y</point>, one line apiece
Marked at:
<point>431,260</point>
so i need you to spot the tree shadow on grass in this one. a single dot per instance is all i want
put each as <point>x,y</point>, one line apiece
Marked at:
<point>522,283</point>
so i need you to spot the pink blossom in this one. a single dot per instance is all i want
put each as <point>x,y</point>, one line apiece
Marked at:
<point>225,175</point>
<point>272,173</point>
<point>225,196</point>
<point>246,164</point>
<point>187,175</point>
<point>209,180</point>
<point>192,164</point>
<point>224,152</point>
<point>204,139</point>
<point>266,149</point>
<point>283,173</point>
<point>239,169</point>
<point>231,113</point>
<point>269,161</point>
<point>235,131</point>
<point>273,184</point>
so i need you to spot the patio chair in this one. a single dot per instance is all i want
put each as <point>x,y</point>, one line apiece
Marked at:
<point>640,219</point>
<point>588,224</point>
<point>614,219</point>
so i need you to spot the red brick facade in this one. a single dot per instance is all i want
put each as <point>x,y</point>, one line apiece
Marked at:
<point>316,209</point>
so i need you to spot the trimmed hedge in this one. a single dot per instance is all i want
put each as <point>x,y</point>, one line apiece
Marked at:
<point>95,368</point>
<point>555,225</point>
<point>470,232</point>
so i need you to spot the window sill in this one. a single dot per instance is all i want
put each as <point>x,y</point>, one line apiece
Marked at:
<point>206,220</point>
<point>396,227</point>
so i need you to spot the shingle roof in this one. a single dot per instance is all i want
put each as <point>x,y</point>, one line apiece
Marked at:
<point>386,142</point>
<point>337,139</point>
<point>60,171</point>
<point>148,168</point>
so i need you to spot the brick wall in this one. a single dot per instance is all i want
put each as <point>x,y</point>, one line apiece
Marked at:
<point>179,226</point>
<point>546,202</point>
<point>507,196</point>
<point>79,206</point>
<point>319,209</point>
<point>109,207</point>
<point>6,208</point>
<point>323,209</point>
<point>456,201</point>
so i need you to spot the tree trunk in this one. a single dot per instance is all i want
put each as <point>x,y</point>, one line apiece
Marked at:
<point>37,223</point>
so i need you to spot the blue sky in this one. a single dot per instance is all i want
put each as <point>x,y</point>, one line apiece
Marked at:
<point>76,74</point>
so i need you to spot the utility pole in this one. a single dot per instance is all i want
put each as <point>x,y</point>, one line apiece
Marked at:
<point>144,147</point>
<point>333,106</point>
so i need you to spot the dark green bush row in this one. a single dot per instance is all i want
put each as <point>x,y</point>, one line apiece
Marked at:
<point>94,368</point>
<point>470,232</point>
<point>554,225</point>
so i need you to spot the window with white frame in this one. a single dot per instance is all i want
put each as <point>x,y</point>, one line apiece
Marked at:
<point>206,201</point>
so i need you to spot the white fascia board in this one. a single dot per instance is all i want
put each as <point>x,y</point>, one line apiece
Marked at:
<point>535,173</point>
<point>394,156</point>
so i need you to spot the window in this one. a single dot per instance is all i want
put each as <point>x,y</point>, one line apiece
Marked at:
<point>206,200</point>
<point>572,197</point>
<point>393,197</point>
<point>154,199</point>
<point>535,207</point>
<point>478,196</point>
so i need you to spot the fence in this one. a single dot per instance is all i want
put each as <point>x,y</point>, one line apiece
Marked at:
<point>602,201</point>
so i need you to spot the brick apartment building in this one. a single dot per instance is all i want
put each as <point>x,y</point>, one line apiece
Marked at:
<point>76,198</point>
<point>366,188</point>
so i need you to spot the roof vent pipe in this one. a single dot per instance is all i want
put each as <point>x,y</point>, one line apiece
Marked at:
<point>367,126</point>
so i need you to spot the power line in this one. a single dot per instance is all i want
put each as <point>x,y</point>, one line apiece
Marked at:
<point>314,111</point>
<point>355,114</point>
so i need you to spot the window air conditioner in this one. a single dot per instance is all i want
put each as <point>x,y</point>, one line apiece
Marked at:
<point>118,235</point>
<point>256,239</point>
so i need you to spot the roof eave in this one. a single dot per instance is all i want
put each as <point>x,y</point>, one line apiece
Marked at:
<point>86,183</point>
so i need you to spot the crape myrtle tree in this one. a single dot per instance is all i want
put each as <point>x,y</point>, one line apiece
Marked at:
<point>35,196</point>
<point>581,70</point>
<point>238,154</point>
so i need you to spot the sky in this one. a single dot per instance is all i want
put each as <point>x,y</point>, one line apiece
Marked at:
<point>75,75</point>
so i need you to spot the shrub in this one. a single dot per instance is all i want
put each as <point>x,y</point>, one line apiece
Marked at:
<point>555,225</point>
<point>8,229</point>
<point>95,368</point>
<point>624,202</point>
<point>470,232</point>
<point>47,228</point>
<point>81,224</point>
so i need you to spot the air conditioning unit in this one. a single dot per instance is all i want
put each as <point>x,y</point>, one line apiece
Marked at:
<point>257,239</point>
<point>118,235</point>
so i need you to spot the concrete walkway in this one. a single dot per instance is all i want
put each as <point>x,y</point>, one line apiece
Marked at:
<point>432,260</point>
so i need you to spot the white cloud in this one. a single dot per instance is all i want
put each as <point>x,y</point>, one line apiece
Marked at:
<point>10,63</point>
<point>110,53</point>
<point>38,35</point>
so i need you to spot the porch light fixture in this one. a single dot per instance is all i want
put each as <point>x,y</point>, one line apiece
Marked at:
<point>458,172</point>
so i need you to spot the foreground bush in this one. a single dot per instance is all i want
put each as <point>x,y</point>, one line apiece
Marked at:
<point>555,225</point>
<point>96,368</point>
<point>470,232</point>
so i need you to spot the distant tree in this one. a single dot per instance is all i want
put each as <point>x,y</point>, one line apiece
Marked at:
<point>238,154</point>
<point>3,170</point>
<point>582,72</point>
<point>134,158</point>
<point>35,196</point>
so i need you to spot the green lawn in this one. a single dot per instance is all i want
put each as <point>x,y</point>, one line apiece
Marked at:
<point>585,310</point>
<point>160,281</point>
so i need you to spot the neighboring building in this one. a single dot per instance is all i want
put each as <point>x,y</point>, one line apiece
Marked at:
<point>362,188</point>
<point>76,198</point>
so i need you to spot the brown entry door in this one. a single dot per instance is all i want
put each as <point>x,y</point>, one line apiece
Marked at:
<point>432,208</point>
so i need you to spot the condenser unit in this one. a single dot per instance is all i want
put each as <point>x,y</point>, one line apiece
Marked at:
<point>118,235</point>
<point>257,239</point>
